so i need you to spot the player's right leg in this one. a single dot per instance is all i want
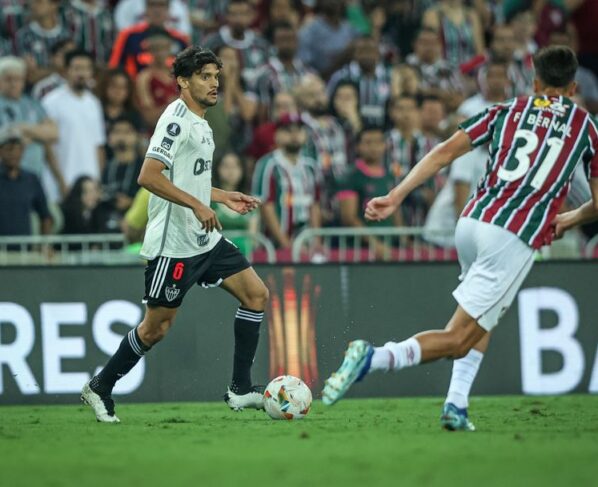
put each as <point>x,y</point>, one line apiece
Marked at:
<point>459,336</point>
<point>97,393</point>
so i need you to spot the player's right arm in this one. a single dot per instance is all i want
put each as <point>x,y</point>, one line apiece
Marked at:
<point>152,179</point>
<point>586,213</point>
<point>441,156</point>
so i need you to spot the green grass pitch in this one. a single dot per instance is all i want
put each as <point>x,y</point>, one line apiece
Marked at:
<point>521,441</point>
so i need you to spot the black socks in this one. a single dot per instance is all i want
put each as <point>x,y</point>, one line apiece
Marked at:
<point>129,352</point>
<point>247,334</point>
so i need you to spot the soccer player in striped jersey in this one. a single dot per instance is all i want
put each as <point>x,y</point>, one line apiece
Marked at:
<point>535,144</point>
<point>182,244</point>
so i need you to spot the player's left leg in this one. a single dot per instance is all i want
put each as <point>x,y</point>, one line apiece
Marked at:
<point>252,294</point>
<point>454,412</point>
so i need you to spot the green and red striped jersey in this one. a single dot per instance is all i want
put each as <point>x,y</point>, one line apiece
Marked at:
<point>535,144</point>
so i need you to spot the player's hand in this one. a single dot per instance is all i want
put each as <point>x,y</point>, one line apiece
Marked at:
<point>241,203</point>
<point>380,208</point>
<point>207,217</point>
<point>562,223</point>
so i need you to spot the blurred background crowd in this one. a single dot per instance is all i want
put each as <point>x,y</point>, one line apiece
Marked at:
<point>323,104</point>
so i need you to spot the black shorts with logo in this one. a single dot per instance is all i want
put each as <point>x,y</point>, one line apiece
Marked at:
<point>167,279</point>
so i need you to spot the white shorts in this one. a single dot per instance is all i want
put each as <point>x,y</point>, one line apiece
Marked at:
<point>494,263</point>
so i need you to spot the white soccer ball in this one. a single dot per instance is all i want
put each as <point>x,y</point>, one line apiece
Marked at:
<point>287,397</point>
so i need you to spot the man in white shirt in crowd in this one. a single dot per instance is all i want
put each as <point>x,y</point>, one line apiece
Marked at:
<point>78,114</point>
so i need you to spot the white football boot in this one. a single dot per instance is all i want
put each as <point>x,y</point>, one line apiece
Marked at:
<point>254,399</point>
<point>103,407</point>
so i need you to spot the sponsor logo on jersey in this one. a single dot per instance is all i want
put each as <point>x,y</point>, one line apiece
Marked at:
<point>160,150</point>
<point>555,107</point>
<point>167,143</point>
<point>541,103</point>
<point>171,292</point>
<point>173,129</point>
<point>202,240</point>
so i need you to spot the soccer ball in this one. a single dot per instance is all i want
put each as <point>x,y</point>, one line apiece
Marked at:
<point>287,397</point>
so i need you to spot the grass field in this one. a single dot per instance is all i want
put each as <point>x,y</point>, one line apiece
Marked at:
<point>521,441</point>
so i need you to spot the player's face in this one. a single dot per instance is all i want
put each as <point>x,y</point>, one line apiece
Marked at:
<point>371,146</point>
<point>13,85</point>
<point>203,86</point>
<point>10,154</point>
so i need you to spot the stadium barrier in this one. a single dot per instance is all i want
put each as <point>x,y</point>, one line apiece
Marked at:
<point>104,249</point>
<point>59,324</point>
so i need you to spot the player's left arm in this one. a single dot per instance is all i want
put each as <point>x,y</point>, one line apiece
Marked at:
<point>441,156</point>
<point>586,213</point>
<point>235,200</point>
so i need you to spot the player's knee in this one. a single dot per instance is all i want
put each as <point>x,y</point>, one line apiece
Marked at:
<point>257,297</point>
<point>458,344</point>
<point>150,335</point>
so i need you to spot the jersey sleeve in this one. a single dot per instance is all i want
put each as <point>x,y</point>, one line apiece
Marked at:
<point>592,157</point>
<point>170,134</point>
<point>480,128</point>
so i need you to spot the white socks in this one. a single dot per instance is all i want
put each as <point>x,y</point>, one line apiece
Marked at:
<point>464,373</point>
<point>395,356</point>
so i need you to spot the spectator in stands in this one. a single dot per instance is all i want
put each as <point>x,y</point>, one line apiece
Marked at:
<point>432,116</point>
<point>406,145</point>
<point>130,12</point>
<point>325,42</point>
<point>130,50</point>
<point>92,26</point>
<point>36,38</point>
<point>135,220</point>
<point>156,87</point>
<point>12,18</point>
<point>231,119</point>
<point>459,27</point>
<point>21,192</point>
<point>287,183</point>
<point>119,178</point>
<point>496,87</point>
<point>116,95</point>
<point>229,175</point>
<point>78,114</point>
<point>56,69</point>
<point>263,135</point>
<point>372,78</point>
<point>404,21</point>
<point>523,23</point>
<point>344,106</point>
<point>205,16</point>
<point>368,178</point>
<point>82,209</point>
<point>252,49</point>
<point>502,49</point>
<point>437,76</point>
<point>377,19</point>
<point>281,12</point>
<point>283,70</point>
<point>587,82</point>
<point>326,142</point>
<point>20,110</point>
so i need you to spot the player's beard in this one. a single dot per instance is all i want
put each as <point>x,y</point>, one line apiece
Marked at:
<point>206,102</point>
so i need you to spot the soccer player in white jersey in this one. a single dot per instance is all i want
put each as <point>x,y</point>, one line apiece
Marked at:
<point>182,243</point>
<point>535,145</point>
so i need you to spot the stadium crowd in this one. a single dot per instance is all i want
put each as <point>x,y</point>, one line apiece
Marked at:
<point>323,104</point>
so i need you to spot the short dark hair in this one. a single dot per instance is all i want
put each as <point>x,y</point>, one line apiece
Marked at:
<point>555,66</point>
<point>75,53</point>
<point>192,59</point>
<point>122,119</point>
<point>366,129</point>
<point>421,99</point>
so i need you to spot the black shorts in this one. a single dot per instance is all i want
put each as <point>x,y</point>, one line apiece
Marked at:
<point>167,279</point>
